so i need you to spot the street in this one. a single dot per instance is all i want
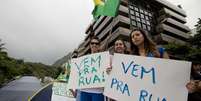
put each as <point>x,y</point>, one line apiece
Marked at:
<point>20,90</point>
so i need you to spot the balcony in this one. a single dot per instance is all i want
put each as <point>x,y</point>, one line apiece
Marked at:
<point>174,15</point>
<point>98,22</point>
<point>174,32</point>
<point>117,22</point>
<point>105,32</point>
<point>87,30</point>
<point>86,42</point>
<point>103,25</point>
<point>121,21</point>
<point>176,24</point>
<point>172,7</point>
<point>123,10</point>
<point>84,51</point>
<point>119,32</point>
<point>171,39</point>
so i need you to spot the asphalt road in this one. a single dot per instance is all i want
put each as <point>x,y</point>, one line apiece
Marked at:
<point>20,90</point>
<point>45,94</point>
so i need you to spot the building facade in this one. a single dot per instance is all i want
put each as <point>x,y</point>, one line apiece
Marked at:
<point>163,21</point>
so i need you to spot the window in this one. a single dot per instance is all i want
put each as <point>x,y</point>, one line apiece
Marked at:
<point>148,23</point>
<point>146,17</point>
<point>137,19</point>
<point>143,21</point>
<point>144,26</point>
<point>140,15</point>
<point>150,18</point>
<point>137,14</point>
<point>141,11</point>
<point>145,12</point>
<point>132,12</point>
<point>148,28</point>
<point>131,7</point>
<point>150,14</point>
<point>134,23</point>
<point>133,17</point>
<point>136,9</point>
<point>139,25</point>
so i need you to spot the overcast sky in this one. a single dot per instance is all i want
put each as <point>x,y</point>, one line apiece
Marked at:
<point>46,30</point>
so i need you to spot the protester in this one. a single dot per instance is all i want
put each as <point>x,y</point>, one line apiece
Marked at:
<point>143,46</point>
<point>196,71</point>
<point>194,86</point>
<point>92,94</point>
<point>119,47</point>
<point>140,45</point>
<point>76,92</point>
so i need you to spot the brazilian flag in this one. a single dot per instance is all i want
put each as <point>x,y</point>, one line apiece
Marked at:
<point>105,8</point>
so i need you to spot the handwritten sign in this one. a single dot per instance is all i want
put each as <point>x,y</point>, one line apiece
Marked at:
<point>147,79</point>
<point>60,91</point>
<point>89,71</point>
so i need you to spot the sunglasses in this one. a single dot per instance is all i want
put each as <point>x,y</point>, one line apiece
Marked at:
<point>96,43</point>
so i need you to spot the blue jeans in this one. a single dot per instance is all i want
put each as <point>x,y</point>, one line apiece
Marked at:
<point>85,96</point>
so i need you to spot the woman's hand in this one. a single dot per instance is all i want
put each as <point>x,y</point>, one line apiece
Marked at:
<point>108,70</point>
<point>73,92</point>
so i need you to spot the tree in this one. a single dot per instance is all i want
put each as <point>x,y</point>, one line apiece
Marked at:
<point>1,45</point>
<point>196,40</point>
<point>178,51</point>
<point>198,25</point>
<point>11,67</point>
<point>191,51</point>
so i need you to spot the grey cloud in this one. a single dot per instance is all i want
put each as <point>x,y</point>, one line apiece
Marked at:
<point>46,30</point>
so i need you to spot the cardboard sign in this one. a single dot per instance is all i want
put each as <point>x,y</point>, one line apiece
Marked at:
<point>89,71</point>
<point>60,92</point>
<point>135,78</point>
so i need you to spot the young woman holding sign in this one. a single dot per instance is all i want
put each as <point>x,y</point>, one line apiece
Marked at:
<point>92,94</point>
<point>194,86</point>
<point>119,47</point>
<point>143,46</point>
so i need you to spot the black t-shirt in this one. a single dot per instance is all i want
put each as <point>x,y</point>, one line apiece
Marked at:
<point>196,96</point>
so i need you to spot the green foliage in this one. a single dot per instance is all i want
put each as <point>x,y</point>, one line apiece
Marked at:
<point>177,49</point>
<point>1,45</point>
<point>198,35</point>
<point>196,40</point>
<point>184,52</point>
<point>198,25</point>
<point>191,51</point>
<point>11,68</point>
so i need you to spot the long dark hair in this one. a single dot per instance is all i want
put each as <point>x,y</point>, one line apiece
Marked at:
<point>149,45</point>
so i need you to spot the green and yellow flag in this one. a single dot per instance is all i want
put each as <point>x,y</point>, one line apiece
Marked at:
<point>106,8</point>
